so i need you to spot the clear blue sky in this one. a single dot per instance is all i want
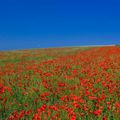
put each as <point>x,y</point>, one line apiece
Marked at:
<point>53,23</point>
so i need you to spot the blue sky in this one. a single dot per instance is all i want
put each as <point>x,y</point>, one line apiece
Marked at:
<point>55,23</point>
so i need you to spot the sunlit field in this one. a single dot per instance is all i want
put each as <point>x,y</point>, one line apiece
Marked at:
<point>77,83</point>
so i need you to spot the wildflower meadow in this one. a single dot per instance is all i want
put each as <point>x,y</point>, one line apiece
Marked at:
<point>75,83</point>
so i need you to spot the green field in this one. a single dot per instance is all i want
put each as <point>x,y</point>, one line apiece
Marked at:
<point>72,83</point>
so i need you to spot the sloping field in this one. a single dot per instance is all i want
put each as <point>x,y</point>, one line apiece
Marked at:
<point>60,84</point>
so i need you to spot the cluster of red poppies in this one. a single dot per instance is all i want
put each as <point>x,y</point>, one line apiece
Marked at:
<point>78,86</point>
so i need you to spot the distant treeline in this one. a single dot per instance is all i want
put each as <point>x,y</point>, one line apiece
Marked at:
<point>117,45</point>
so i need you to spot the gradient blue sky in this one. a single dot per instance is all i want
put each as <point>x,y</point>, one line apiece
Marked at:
<point>55,23</point>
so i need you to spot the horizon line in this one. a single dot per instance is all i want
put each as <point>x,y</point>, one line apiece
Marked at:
<point>59,47</point>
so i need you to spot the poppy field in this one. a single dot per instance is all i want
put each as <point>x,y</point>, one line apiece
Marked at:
<point>60,84</point>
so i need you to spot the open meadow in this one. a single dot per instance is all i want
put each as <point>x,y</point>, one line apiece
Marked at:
<point>75,83</point>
